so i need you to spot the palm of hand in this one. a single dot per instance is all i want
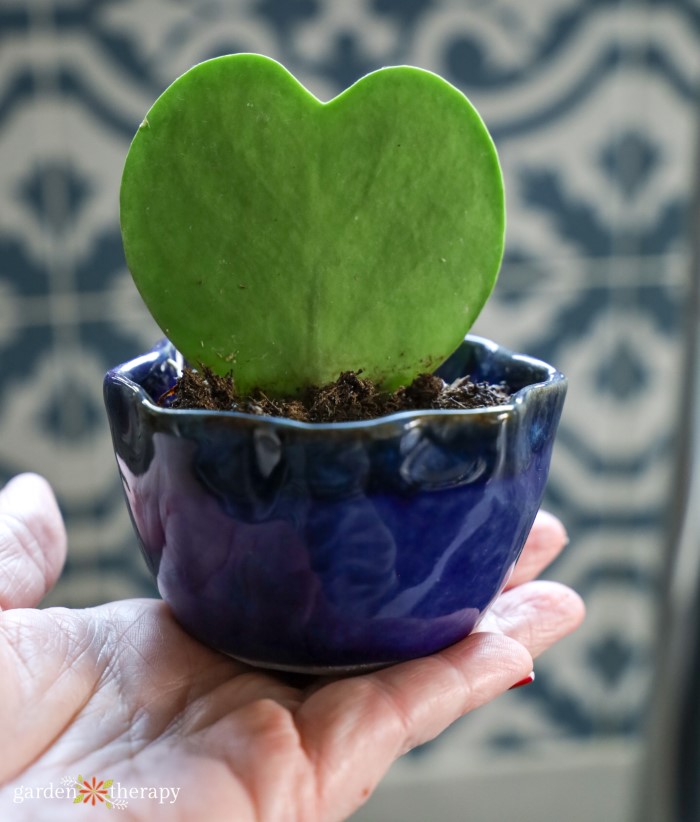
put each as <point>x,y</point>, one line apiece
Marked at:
<point>121,692</point>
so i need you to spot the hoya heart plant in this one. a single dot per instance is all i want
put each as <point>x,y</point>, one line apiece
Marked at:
<point>286,240</point>
<point>292,243</point>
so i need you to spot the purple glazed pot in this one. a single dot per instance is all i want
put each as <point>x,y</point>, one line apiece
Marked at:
<point>334,547</point>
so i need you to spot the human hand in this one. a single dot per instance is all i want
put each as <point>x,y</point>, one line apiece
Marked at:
<point>120,691</point>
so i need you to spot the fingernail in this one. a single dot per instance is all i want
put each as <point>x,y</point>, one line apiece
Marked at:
<point>529,679</point>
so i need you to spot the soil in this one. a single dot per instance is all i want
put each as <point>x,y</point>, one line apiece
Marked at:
<point>349,398</point>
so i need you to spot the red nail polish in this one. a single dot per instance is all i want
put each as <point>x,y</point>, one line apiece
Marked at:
<point>527,681</point>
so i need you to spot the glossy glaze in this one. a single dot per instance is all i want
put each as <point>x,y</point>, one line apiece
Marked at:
<point>333,547</point>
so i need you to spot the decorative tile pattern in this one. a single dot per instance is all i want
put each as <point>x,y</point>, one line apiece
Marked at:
<point>592,106</point>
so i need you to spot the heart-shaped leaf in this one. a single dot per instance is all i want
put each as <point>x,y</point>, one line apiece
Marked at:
<point>288,239</point>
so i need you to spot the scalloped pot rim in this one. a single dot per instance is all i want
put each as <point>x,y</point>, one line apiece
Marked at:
<point>122,373</point>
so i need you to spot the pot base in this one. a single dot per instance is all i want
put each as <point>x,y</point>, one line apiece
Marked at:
<point>315,670</point>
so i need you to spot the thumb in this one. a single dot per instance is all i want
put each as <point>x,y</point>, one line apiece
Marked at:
<point>32,541</point>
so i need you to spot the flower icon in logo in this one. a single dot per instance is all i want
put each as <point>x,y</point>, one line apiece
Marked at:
<point>93,792</point>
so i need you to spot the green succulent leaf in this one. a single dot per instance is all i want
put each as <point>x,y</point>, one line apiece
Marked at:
<point>287,240</point>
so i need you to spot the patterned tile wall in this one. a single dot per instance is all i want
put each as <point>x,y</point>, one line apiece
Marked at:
<point>593,108</point>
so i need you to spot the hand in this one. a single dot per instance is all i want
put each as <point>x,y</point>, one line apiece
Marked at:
<point>120,692</point>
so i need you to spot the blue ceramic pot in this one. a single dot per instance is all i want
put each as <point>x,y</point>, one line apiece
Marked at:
<point>333,547</point>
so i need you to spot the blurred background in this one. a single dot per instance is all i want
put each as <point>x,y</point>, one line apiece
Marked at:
<point>593,106</point>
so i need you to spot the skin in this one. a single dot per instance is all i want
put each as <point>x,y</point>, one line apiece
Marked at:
<point>120,691</point>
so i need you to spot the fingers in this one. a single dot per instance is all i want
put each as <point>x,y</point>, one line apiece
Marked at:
<point>32,541</point>
<point>521,625</point>
<point>353,729</point>
<point>536,614</point>
<point>545,542</point>
<point>406,705</point>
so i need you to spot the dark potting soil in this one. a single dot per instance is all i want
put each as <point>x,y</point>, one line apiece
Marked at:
<point>349,398</point>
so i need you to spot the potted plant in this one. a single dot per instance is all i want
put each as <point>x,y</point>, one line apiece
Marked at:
<point>286,241</point>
